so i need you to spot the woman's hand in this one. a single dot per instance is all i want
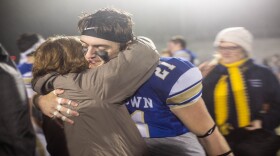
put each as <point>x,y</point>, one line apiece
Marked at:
<point>255,124</point>
<point>53,106</point>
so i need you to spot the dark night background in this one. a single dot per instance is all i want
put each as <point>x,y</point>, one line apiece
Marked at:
<point>198,20</point>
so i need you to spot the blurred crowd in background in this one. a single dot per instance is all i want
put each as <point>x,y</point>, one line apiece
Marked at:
<point>175,47</point>
<point>248,119</point>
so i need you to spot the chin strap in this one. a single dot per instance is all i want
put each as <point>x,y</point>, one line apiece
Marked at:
<point>209,132</point>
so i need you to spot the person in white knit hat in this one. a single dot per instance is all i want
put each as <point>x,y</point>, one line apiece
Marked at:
<point>237,91</point>
<point>236,39</point>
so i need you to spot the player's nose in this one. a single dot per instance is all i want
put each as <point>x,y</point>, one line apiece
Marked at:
<point>91,53</point>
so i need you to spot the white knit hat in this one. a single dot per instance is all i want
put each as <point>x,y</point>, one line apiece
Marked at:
<point>237,35</point>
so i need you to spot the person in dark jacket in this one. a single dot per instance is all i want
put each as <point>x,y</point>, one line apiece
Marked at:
<point>238,92</point>
<point>16,132</point>
<point>245,142</point>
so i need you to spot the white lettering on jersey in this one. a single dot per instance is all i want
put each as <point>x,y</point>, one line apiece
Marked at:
<point>163,73</point>
<point>139,118</point>
<point>148,103</point>
<point>169,66</point>
<point>135,101</point>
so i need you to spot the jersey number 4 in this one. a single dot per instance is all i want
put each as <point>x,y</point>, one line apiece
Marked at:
<point>138,117</point>
<point>162,73</point>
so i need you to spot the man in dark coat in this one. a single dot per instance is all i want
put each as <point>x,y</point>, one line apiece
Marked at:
<point>16,132</point>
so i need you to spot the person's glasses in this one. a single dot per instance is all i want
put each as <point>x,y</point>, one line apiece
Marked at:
<point>229,48</point>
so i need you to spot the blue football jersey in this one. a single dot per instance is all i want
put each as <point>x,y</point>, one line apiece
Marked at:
<point>26,72</point>
<point>176,83</point>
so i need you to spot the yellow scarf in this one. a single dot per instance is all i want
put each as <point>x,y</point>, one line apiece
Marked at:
<point>221,95</point>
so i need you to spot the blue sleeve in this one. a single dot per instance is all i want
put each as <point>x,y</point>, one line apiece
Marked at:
<point>178,82</point>
<point>25,68</point>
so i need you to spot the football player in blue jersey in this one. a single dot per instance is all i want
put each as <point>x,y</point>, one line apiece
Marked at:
<point>166,109</point>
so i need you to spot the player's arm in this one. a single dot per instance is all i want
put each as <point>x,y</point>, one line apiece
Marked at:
<point>196,117</point>
<point>185,102</point>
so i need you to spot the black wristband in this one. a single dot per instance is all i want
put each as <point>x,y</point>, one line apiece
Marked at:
<point>225,154</point>
<point>209,132</point>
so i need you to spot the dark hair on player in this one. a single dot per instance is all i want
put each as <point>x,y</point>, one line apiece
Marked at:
<point>108,21</point>
<point>27,40</point>
<point>179,40</point>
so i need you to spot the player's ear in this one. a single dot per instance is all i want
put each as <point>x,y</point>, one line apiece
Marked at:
<point>123,46</point>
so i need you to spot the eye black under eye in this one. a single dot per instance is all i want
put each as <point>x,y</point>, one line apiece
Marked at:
<point>84,50</point>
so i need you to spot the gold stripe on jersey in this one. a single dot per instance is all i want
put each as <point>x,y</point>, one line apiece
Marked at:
<point>186,95</point>
<point>184,105</point>
<point>27,80</point>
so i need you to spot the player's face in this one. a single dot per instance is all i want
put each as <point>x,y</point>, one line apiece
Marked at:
<point>170,46</point>
<point>93,44</point>
<point>230,52</point>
